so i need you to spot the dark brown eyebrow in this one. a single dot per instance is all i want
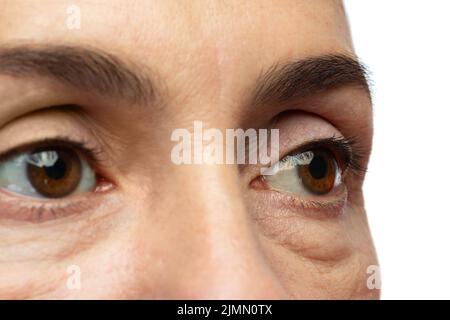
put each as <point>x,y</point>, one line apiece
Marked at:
<point>295,80</point>
<point>88,69</point>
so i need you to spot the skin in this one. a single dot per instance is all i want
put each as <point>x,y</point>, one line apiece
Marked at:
<point>191,231</point>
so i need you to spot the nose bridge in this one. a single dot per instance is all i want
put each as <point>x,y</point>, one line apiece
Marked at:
<point>219,256</point>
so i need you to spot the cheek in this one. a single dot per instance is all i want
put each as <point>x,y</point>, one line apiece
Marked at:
<point>322,259</point>
<point>307,278</point>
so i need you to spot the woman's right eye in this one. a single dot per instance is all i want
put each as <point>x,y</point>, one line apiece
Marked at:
<point>47,172</point>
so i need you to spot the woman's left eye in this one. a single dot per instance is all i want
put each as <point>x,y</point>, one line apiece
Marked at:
<point>48,172</point>
<point>313,172</point>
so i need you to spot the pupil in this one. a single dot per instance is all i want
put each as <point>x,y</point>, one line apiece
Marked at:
<point>57,171</point>
<point>318,167</point>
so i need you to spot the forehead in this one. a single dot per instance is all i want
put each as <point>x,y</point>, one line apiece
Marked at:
<point>210,40</point>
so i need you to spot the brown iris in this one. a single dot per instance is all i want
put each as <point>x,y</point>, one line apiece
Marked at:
<point>320,175</point>
<point>58,178</point>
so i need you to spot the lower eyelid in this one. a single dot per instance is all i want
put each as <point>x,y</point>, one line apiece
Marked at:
<point>20,208</point>
<point>331,206</point>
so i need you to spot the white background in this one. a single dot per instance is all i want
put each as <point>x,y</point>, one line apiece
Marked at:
<point>406,45</point>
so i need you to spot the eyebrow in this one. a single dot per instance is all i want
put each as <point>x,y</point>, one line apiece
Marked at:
<point>87,69</point>
<point>283,83</point>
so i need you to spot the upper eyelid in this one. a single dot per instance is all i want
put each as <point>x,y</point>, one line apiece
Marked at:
<point>92,153</point>
<point>349,149</point>
<point>313,144</point>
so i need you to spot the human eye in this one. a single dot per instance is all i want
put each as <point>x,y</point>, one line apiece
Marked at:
<point>47,179</point>
<point>314,172</point>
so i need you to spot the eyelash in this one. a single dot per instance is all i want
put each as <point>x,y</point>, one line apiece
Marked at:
<point>347,151</point>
